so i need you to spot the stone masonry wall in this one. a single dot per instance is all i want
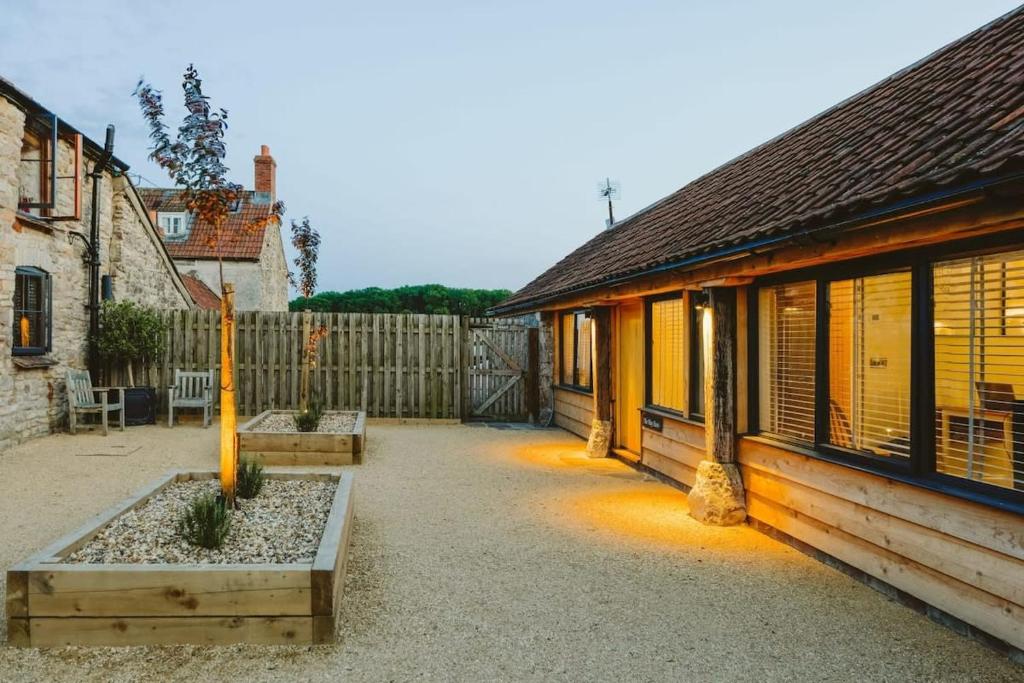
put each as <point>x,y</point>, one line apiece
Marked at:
<point>547,365</point>
<point>33,401</point>
<point>259,285</point>
<point>244,275</point>
<point>274,271</point>
<point>138,263</point>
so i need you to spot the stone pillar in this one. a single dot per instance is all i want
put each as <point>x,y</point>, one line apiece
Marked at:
<point>546,376</point>
<point>533,374</point>
<point>600,440</point>
<point>717,495</point>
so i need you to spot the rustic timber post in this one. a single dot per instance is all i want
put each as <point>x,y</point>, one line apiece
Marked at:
<point>600,440</point>
<point>717,495</point>
<point>228,418</point>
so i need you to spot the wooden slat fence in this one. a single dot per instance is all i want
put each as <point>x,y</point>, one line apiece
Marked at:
<point>388,365</point>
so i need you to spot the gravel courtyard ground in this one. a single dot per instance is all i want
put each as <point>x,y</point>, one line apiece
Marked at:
<point>487,554</point>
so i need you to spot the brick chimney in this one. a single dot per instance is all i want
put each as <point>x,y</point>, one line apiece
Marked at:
<point>266,173</point>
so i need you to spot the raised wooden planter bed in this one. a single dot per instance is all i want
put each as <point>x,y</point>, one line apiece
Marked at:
<point>325,449</point>
<point>53,604</point>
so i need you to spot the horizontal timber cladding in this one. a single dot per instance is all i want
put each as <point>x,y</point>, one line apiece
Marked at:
<point>964,558</point>
<point>388,365</point>
<point>574,411</point>
<point>676,450</point>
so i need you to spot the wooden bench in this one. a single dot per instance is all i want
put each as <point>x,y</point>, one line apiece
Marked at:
<point>191,390</point>
<point>82,398</point>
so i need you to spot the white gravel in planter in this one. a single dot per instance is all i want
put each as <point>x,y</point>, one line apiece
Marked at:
<point>331,423</point>
<point>283,524</point>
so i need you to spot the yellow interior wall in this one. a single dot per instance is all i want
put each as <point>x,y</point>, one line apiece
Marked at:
<point>565,344</point>
<point>887,329</point>
<point>630,390</point>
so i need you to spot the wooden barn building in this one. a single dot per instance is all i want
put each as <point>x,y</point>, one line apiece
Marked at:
<point>825,336</point>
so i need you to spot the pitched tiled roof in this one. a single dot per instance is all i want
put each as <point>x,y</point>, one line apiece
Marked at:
<point>201,293</point>
<point>241,241</point>
<point>956,116</point>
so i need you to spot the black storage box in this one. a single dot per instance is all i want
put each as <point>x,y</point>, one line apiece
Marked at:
<point>139,405</point>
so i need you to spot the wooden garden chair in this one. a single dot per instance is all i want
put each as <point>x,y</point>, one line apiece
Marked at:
<point>191,390</point>
<point>840,433</point>
<point>84,398</point>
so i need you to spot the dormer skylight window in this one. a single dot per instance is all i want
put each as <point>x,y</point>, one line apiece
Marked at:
<point>173,224</point>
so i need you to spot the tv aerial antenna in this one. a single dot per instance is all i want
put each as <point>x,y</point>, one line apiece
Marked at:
<point>609,190</point>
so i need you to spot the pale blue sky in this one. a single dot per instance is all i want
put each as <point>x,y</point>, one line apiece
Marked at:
<point>462,142</point>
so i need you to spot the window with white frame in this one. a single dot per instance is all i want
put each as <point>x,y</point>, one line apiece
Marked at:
<point>173,224</point>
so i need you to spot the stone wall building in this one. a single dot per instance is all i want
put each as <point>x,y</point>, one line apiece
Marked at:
<point>44,274</point>
<point>253,257</point>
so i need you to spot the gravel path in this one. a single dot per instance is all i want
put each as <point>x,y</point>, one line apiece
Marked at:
<point>283,524</point>
<point>332,422</point>
<point>481,554</point>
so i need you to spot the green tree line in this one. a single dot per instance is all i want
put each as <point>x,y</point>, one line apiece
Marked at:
<point>408,299</point>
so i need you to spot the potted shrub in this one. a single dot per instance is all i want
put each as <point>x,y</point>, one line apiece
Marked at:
<point>131,334</point>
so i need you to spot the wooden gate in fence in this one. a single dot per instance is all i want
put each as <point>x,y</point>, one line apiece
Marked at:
<point>499,385</point>
<point>398,366</point>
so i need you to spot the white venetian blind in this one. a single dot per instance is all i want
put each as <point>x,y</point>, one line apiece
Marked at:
<point>668,334</point>
<point>979,368</point>
<point>869,364</point>
<point>786,347</point>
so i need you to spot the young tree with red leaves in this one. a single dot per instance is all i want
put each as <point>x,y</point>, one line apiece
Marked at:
<point>306,240</point>
<point>194,160</point>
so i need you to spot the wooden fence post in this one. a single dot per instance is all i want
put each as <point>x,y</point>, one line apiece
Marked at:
<point>466,408</point>
<point>307,321</point>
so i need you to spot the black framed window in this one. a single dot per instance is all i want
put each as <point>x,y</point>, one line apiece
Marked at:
<point>575,339</point>
<point>666,352</point>
<point>835,364</point>
<point>978,308</point>
<point>787,329</point>
<point>35,181</point>
<point>910,365</point>
<point>674,341</point>
<point>868,364</point>
<point>32,310</point>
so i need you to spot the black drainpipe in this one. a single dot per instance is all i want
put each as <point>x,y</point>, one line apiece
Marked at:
<point>94,251</point>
